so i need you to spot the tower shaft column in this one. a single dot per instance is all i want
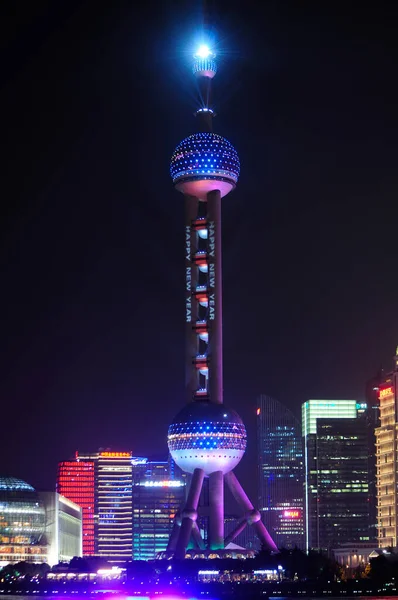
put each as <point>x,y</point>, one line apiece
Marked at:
<point>215,296</point>
<point>191,304</point>
<point>216,510</point>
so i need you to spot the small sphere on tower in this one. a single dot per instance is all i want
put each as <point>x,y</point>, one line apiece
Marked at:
<point>204,162</point>
<point>207,436</point>
<point>204,64</point>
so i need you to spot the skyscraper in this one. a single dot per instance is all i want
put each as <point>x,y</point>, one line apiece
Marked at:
<point>280,472</point>
<point>114,506</point>
<point>76,481</point>
<point>206,438</point>
<point>336,474</point>
<point>104,477</point>
<point>157,497</point>
<point>372,418</point>
<point>387,460</point>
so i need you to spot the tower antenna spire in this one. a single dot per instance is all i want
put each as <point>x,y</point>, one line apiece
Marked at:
<point>204,68</point>
<point>206,16</point>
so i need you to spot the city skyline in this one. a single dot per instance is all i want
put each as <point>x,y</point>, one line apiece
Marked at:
<point>84,242</point>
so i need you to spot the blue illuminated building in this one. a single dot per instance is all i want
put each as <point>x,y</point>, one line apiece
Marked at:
<point>158,495</point>
<point>280,472</point>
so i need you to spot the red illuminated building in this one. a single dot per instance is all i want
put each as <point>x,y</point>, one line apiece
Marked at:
<point>76,481</point>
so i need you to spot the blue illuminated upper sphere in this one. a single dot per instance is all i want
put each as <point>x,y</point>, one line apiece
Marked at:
<point>207,436</point>
<point>204,162</point>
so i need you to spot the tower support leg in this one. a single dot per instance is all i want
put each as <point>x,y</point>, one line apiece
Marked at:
<point>252,515</point>
<point>197,537</point>
<point>234,534</point>
<point>189,514</point>
<point>171,546</point>
<point>216,510</point>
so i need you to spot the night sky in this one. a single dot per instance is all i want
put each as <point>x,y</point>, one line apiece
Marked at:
<point>94,98</point>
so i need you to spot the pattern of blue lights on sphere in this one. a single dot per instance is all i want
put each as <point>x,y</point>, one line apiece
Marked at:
<point>207,436</point>
<point>204,162</point>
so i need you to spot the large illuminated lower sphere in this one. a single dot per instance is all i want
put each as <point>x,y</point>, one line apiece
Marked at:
<point>207,436</point>
<point>204,162</point>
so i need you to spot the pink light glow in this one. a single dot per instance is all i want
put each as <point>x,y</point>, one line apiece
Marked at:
<point>292,514</point>
<point>201,188</point>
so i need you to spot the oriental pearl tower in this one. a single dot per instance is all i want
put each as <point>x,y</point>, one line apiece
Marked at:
<point>206,439</point>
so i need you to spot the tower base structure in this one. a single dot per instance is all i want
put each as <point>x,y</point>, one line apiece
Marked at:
<point>186,531</point>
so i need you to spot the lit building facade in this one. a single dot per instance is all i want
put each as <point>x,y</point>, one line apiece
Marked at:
<point>22,523</point>
<point>37,527</point>
<point>336,474</point>
<point>112,501</point>
<point>280,471</point>
<point>387,461</point>
<point>114,506</point>
<point>63,532</point>
<point>372,416</point>
<point>157,498</point>
<point>76,481</point>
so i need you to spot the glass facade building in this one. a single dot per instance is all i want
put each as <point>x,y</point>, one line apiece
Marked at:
<point>128,503</point>
<point>22,523</point>
<point>387,460</point>
<point>280,475</point>
<point>157,496</point>
<point>336,474</point>
<point>37,527</point>
<point>76,481</point>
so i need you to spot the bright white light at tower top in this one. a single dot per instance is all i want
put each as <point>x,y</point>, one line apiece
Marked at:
<point>203,52</point>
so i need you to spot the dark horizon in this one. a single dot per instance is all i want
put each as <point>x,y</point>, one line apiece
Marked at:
<point>94,101</point>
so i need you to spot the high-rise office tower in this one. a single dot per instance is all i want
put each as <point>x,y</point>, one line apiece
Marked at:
<point>157,497</point>
<point>280,472</point>
<point>372,418</point>
<point>336,474</point>
<point>112,501</point>
<point>114,506</point>
<point>76,481</point>
<point>206,438</point>
<point>387,460</point>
